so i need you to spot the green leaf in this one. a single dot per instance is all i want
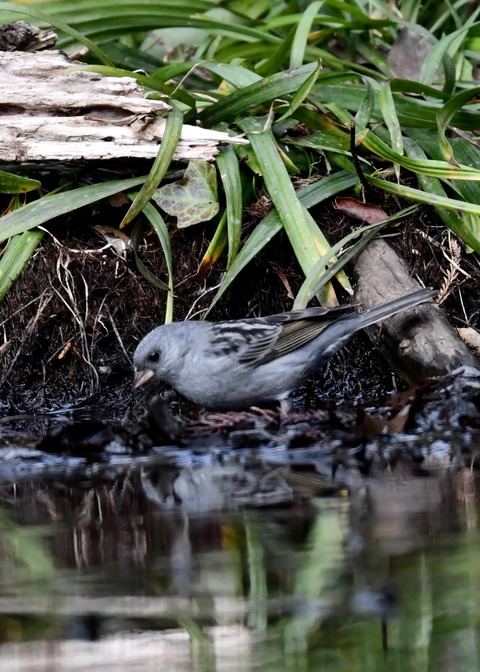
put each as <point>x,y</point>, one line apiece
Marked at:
<point>272,224</point>
<point>173,129</point>
<point>307,241</point>
<point>434,197</point>
<point>444,49</point>
<point>216,247</point>
<point>302,93</point>
<point>276,86</point>
<point>389,113</point>
<point>13,260</point>
<point>316,279</point>
<point>366,107</point>
<point>235,75</point>
<point>192,199</point>
<point>158,225</point>
<point>463,223</point>
<point>445,115</point>
<point>54,205</point>
<point>142,269</point>
<point>411,111</point>
<point>300,40</point>
<point>229,170</point>
<point>16,184</point>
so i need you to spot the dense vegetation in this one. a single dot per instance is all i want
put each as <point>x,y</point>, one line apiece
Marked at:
<point>326,92</point>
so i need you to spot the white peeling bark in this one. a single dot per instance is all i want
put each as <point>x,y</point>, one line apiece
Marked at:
<point>49,112</point>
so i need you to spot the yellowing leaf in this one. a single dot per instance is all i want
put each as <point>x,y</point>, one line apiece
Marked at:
<point>192,199</point>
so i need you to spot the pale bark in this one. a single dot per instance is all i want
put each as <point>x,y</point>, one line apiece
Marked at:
<point>51,112</point>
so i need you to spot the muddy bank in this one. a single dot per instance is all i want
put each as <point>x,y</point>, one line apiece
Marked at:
<point>72,320</point>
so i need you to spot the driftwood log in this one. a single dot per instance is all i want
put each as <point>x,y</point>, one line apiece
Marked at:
<point>420,344</point>
<point>50,111</point>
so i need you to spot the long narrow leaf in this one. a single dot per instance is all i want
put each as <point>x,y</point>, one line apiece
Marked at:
<point>307,245</point>
<point>158,225</point>
<point>437,201</point>
<point>54,205</point>
<point>16,184</point>
<point>445,115</point>
<point>272,224</point>
<point>461,223</point>
<point>312,284</point>
<point>440,169</point>
<point>142,269</point>
<point>173,129</point>
<point>12,262</point>
<point>389,113</point>
<point>276,86</point>
<point>300,40</point>
<point>229,170</point>
<point>302,93</point>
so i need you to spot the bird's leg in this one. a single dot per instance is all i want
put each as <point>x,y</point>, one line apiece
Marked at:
<point>285,408</point>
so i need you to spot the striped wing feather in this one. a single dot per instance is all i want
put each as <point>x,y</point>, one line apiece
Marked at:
<point>293,336</point>
<point>277,335</point>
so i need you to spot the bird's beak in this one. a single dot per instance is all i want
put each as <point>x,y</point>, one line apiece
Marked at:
<point>142,377</point>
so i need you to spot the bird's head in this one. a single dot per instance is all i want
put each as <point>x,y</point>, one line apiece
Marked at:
<point>160,354</point>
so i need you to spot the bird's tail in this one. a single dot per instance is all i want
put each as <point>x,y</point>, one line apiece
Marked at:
<point>340,331</point>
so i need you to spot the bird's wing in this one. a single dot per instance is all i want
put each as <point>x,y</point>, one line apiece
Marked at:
<point>278,335</point>
<point>293,335</point>
<point>317,313</point>
<point>248,341</point>
<point>259,340</point>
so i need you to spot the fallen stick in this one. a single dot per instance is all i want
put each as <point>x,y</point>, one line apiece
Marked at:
<point>419,344</point>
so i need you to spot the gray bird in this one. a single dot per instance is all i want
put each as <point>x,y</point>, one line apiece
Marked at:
<point>240,363</point>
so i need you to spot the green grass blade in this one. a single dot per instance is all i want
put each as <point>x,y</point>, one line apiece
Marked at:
<point>141,268</point>
<point>158,225</point>
<point>51,206</point>
<point>445,115</point>
<point>216,247</point>
<point>435,200</point>
<point>302,32</point>
<point>229,170</point>
<point>445,48</point>
<point>366,107</point>
<point>312,284</point>
<point>440,169</point>
<point>308,244</point>
<point>173,130</point>
<point>276,86</point>
<point>412,112</point>
<point>462,223</point>
<point>236,75</point>
<point>16,184</point>
<point>389,113</point>
<point>301,94</point>
<point>271,224</point>
<point>28,10</point>
<point>14,258</point>
<point>276,61</point>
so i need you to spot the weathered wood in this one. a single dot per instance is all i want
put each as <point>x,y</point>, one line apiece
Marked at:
<point>49,111</point>
<point>419,343</point>
<point>21,36</point>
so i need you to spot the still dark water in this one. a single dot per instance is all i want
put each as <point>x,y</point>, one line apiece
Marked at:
<point>241,563</point>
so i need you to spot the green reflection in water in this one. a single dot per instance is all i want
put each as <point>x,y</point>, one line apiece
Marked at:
<point>386,579</point>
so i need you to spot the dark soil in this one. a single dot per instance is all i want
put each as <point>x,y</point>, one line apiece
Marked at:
<point>72,320</point>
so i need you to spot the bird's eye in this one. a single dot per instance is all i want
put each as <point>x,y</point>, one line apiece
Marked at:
<point>154,356</point>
